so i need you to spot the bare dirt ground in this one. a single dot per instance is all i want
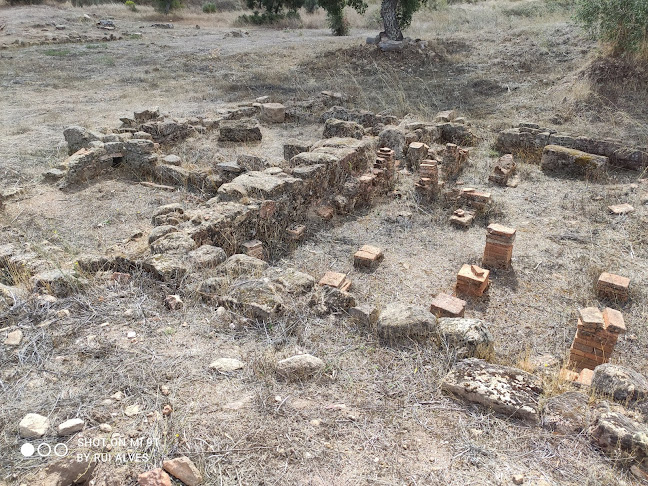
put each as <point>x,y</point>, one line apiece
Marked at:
<point>376,415</point>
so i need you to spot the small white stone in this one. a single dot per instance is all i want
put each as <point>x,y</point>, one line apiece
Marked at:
<point>117,396</point>
<point>226,365</point>
<point>131,334</point>
<point>132,410</point>
<point>14,338</point>
<point>220,311</point>
<point>71,426</point>
<point>105,428</point>
<point>33,426</point>
<point>164,390</point>
<point>63,313</point>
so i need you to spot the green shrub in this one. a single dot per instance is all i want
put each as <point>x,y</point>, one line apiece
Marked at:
<point>131,5</point>
<point>209,7</point>
<point>266,18</point>
<point>24,2</point>
<point>621,23</point>
<point>165,6</point>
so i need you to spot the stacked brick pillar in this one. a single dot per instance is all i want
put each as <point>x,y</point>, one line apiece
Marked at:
<point>428,184</point>
<point>596,335</point>
<point>499,246</point>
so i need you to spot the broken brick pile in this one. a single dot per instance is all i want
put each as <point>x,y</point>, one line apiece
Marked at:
<point>596,335</point>
<point>504,168</point>
<point>472,280</point>
<point>499,246</point>
<point>612,287</point>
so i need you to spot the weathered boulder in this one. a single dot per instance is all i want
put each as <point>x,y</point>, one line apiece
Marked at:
<point>240,264</point>
<point>456,133</point>
<point>166,267</point>
<point>247,130</point>
<point>467,337</point>
<point>273,112</point>
<point>294,147</point>
<point>291,280</point>
<point>622,384</point>
<point>567,413</point>
<point>200,179</point>
<point>617,433</point>
<point>261,185</point>
<point>160,231</point>
<point>340,128</point>
<point>79,137</point>
<point>402,322</point>
<point>139,155</point>
<point>251,162</point>
<point>70,426</point>
<point>173,242</point>
<point>352,155</point>
<point>85,164</point>
<point>259,298</point>
<point>59,283</point>
<point>307,159</point>
<point>562,159</point>
<point>226,365</point>
<point>65,472</point>
<point>504,389</point>
<point>183,469</point>
<point>207,256</point>
<point>33,426</point>
<point>299,367</point>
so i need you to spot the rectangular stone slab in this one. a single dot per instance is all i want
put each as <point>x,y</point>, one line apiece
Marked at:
<point>503,389</point>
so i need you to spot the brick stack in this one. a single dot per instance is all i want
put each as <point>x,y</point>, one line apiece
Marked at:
<point>596,335</point>
<point>499,246</point>
<point>428,184</point>
<point>612,287</point>
<point>385,165</point>
<point>367,256</point>
<point>444,305</point>
<point>476,199</point>
<point>253,248</point>
<point>472,280</point>
<point>337,280</point>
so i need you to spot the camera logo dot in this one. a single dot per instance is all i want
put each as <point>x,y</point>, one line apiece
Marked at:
<point>27,449</point>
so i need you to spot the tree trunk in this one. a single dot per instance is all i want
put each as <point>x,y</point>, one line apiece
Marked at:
<point>390,21</point>
<point>167,7</point>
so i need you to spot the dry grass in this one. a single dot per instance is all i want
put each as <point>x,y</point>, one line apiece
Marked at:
<point>376,414</point>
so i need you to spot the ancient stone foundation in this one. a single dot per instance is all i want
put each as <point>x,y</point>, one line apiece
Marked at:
<point>529,138</point>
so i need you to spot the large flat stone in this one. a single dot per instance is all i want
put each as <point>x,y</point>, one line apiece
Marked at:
<point>260,185</point>
<point>503,389</point>
<point>403,322</point>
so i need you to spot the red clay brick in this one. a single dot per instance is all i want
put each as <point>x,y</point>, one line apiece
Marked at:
<point>444,305</point>
<point>335,279</point>
<point>585,377</point>
<point>613,320</point>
